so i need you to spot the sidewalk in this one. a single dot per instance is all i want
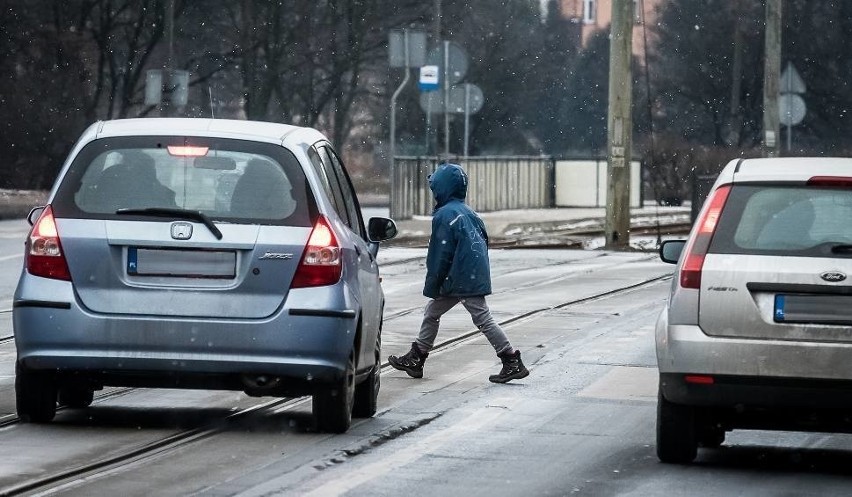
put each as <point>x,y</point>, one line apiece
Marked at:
<point>561,226</point>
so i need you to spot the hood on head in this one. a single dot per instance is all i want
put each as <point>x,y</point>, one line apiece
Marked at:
<point>449,181</point>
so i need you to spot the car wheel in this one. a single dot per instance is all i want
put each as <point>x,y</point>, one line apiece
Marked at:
<point>76,397</point>
<point>676,437</point>
<point>367,392</point>
<point>35,395</point>
<point>333,406</point>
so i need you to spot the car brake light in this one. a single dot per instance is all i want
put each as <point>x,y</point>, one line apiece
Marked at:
<point>321,263</point>
<point>187,151</point>
<point>690,273</point>
<point>831,181</point>
<point>44,251</point>
<point>699,379</point>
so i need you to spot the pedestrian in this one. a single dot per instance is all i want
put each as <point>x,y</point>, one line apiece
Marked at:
<point>457,270</point>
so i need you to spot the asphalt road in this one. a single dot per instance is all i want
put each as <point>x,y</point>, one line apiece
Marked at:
<point>582,423</point>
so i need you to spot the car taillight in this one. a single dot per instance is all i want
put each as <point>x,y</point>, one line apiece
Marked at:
<point>321,263</point>
<point>690,273</point>
<point>44,251</point>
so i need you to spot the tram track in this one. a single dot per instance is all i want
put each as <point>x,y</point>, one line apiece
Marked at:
<point>73,476</point>
<point>543,282</point>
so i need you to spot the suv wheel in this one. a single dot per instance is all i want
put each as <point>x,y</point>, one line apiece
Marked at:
<point>333,406</point>
<point>76,397</point>
<point>676,437</point>
<point>35,395</point>
<point>367,392</point>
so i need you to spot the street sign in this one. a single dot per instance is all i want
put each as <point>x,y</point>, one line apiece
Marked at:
<point>433,102</point>
<point>791,109</point>
<point>457,61</point>
<point>429,78</point>
<point>469,93</point>
<point>153,87</point>
<point>416,47</point>
<point>179,85</point>
<point>790,81</point>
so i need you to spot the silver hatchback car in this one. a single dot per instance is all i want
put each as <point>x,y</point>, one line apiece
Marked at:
<point>200,253</point>
<point>757,331</point>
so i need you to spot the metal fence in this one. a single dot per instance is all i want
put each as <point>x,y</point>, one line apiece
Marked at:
<point>496,183</point>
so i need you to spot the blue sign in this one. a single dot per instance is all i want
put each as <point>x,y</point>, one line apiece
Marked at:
<point>429,80</point>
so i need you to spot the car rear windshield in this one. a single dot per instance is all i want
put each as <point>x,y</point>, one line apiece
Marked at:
<point>785,220</point>
<point>228,180</point>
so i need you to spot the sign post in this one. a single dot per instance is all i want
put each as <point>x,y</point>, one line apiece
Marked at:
<point>791,107</point>
<point>407,49</point>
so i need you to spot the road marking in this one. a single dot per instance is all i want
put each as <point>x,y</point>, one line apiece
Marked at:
<point>625,383</point>
<point>10,257</point>
<point>472,423</point>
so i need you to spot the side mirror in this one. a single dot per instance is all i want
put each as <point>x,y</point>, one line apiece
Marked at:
<point>380,229</point>
<point>32,217</point>
<point>670,250</point>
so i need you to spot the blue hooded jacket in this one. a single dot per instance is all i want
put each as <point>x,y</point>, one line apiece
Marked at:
<point>457,262</point>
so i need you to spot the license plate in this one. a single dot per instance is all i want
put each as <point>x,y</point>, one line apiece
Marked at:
<point>818,309</point>
<point>181,263</point>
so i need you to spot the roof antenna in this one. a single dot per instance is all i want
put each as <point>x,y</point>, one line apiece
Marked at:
<point>210,92</point>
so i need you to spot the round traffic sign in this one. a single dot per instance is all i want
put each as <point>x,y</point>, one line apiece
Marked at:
<point>467,93</point>
<point>457,61</point>
<point>791,109</point>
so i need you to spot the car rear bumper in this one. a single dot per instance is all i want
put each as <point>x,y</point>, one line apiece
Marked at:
<point>747,372</point>
<point>686,349</point>
<point>310,348</point>
<point>741,392</point>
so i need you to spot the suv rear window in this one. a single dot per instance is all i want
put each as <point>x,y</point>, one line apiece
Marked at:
<point>785,220</point>
<point>228,180</point>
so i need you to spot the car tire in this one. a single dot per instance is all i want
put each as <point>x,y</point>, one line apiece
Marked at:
<point>367,392</point>
<point>35,395</point>
<point>332,407</point>
<point>676,435</point>
<point>76,397</point>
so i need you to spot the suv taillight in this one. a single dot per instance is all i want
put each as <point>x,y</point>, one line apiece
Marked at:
<point>44,251</point>
<point>320,264</point>
<point>690,273</point>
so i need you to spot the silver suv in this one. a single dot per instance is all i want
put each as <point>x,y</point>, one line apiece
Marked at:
<point>756,332</point>
<point>199,253</point>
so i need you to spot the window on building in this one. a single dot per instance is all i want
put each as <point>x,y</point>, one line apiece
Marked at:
<point>590,8</point>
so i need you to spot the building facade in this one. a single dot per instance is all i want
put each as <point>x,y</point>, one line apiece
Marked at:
<point>595,15</point>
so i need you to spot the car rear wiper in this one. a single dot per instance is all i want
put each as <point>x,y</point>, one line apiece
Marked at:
<point>841,247</point>
<point>175,214</point>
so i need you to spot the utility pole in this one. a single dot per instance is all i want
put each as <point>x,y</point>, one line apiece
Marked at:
<point>168,107</point>
<point>619,126</point>
<point>433,139</point>
<point>771,75</point>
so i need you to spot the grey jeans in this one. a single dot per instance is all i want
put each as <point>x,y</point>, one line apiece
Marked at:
<point>479,312</point>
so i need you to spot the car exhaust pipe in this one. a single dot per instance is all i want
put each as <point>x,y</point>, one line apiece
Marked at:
<point>258,385</point>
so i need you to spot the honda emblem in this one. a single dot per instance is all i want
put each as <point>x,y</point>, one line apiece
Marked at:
<point>181,231</point>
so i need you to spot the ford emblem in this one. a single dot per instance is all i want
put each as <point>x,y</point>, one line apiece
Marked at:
<point>181,231</point>
<point>833,276</point>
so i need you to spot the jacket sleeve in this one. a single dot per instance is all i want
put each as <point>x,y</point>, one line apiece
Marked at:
<point>442,246</point>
